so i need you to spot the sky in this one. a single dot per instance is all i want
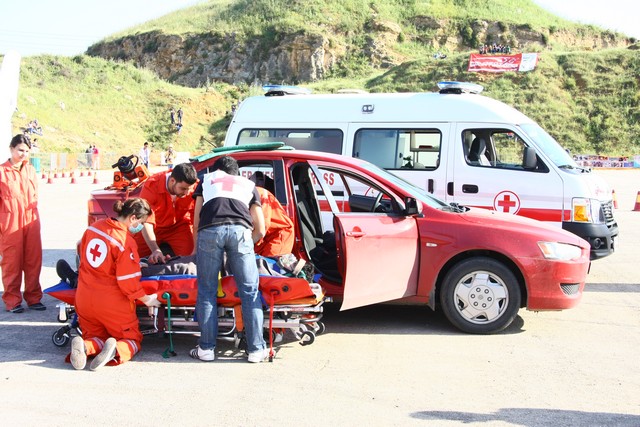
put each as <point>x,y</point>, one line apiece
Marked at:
<point>69,27</point>
<point>617,15</point>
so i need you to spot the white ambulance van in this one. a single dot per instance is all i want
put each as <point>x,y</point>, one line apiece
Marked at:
<point>460,146</point>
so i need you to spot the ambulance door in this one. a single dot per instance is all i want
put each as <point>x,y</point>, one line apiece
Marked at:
<point>416,152</point>
<point>378,247</point>
<point>490,171</point>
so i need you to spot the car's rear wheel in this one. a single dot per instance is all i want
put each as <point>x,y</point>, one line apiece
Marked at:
<point>480,296</point>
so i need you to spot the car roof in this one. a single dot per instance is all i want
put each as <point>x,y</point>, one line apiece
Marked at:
<point>280,153</point>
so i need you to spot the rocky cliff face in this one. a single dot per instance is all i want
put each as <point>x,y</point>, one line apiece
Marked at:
<point>197,59</point>
<point>194,60</point>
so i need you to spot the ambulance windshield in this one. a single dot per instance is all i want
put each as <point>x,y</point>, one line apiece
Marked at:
<point>552,149</point>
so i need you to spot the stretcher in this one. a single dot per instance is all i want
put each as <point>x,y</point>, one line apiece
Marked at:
<point>290,303</point>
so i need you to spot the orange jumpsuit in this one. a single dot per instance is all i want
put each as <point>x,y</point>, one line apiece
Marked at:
<point>20,241</point>
<point>108,285</point>
<point>279,236</point>
<point>172,217</point>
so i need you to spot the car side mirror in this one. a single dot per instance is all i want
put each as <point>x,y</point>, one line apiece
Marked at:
<point>529,158</point>
<point>410,206</point>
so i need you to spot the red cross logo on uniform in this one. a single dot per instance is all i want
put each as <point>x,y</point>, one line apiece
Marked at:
<point>227,182</point>
<point>506,201</point>
<point>96,252</point>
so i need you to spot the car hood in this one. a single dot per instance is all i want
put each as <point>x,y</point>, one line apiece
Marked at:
<point>503,221</point>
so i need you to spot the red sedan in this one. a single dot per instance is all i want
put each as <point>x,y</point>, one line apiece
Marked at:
<point>374,238</point>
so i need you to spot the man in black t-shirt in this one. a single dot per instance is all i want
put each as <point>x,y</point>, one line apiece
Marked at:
<point>228,219</point>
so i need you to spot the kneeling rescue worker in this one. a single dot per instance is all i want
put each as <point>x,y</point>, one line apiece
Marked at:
<point>108,286</point>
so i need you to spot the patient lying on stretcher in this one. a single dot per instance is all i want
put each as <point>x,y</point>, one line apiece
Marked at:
<point>273,252</point>
<point>286,265</point>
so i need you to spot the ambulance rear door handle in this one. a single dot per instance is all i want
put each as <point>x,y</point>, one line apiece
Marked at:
<point>430,186</point>
<point>469,188</point>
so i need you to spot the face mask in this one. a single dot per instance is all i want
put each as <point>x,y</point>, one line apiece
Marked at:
<point>136,229</point>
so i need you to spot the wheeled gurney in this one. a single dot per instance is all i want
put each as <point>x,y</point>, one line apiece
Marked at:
<point>289,303</point>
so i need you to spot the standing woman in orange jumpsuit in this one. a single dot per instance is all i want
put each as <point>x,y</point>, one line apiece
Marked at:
<point>108,286</point>
<point>20,241</point>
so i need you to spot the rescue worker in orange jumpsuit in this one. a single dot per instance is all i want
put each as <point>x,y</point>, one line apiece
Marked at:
<point>108,286</point>
<point>20,241</point>
<point>279,236</point>
<point>171,220</point>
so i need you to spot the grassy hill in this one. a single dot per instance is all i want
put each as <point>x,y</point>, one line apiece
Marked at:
<point>82,100</point>
<point>588,99</point>
<point>344,18</point>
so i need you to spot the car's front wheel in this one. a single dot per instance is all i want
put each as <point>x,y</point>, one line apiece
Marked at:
<point>480,296</point>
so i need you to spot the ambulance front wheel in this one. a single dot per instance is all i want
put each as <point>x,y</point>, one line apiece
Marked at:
<point>61,337</point>
<point>480,295</point>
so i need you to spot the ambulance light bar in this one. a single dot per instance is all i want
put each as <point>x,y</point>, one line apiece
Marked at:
<point>459,87</point>
<point>281,90</point>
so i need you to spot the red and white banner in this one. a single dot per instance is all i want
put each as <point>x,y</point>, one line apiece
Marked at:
<point>502,63</point>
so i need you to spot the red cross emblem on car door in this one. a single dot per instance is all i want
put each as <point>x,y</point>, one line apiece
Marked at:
<point>507,201</point>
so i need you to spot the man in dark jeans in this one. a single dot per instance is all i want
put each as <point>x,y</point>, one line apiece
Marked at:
<point>229,220</point>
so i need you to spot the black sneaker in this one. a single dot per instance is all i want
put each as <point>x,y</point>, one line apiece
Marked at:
<point>17,309</point>
<point>66,273</point>
<point>38,307</point>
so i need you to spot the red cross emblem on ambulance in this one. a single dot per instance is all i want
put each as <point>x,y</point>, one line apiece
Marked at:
<point>507,201</point>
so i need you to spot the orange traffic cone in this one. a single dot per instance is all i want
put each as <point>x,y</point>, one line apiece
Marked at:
<point>95,177</point>
<point>44,175</point>
<point>615,199</point>
<point>81,172</point>
<point>49,181</point>
<point>55,174</point>
<point>73,178</point>
<point>637,206</point>
<point>64,175</point>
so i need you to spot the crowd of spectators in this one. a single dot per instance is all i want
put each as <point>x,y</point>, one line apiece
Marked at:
<point>494,48</point>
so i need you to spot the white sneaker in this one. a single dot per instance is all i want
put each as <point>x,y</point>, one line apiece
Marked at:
<point>106,355</point>
<point>258,356</point>
<point>204,355</point>
<point>278,338</point>
<point>78,353</point>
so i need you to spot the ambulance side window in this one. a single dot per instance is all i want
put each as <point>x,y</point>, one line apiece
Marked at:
<point>325,140</point>
<point>495,148</point>
<point>399,148</point>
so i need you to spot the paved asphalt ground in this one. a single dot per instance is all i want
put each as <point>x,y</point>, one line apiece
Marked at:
<point>379,366</point>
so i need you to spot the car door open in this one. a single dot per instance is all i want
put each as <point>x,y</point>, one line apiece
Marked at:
<point>378,245</point>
